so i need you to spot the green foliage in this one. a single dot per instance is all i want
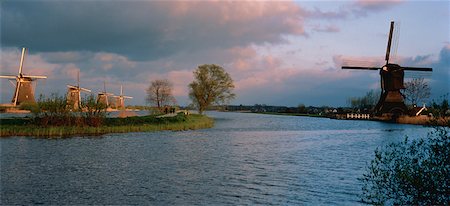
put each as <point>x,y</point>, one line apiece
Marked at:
<point>30,106</point>
<point>410,172</point>
<point>211,85</point>
<point>95,112</point>
<point>53,111</point>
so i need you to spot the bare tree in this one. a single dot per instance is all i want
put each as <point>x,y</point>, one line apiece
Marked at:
<point>159,93</point>
<point>417,90</point>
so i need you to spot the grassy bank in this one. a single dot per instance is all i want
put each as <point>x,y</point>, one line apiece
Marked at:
<point>25,127</point>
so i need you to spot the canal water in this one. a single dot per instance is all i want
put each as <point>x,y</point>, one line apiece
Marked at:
<point>244,159</point>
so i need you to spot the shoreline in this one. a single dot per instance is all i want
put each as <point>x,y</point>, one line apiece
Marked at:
<point>116,125</point>
<point>418,120</point>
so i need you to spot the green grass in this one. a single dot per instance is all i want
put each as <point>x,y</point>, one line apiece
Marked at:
<point>24,127</point>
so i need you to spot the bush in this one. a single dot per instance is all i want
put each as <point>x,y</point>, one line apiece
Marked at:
<point>53,111</point>
<point>410,172</point>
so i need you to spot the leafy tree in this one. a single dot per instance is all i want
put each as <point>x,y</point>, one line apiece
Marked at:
<point>159,93</point>
<point>211,85</point>
<point>410,172</point>
<point>416,91</point>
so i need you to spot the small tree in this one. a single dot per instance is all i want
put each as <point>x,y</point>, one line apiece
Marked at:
<point>416,91</point>
<point>159,93</point>
<point>211,85</point>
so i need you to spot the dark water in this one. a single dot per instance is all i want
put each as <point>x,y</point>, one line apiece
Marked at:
<point>244,159</point>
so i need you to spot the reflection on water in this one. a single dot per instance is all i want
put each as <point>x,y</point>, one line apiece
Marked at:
<point>244,159</point>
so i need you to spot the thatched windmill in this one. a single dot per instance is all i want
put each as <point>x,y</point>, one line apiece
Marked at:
<point>120,100</point>
<point>24,91</point>
<point>103,97</point>
<point>391,99</point>
<point>74,94</point>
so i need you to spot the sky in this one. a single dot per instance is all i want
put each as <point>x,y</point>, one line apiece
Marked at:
<point>277,52</point>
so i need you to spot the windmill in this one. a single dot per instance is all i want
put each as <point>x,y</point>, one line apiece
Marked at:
<point>120,104</point>
<point>24,90</point>
<point>74,94</point>
<point>102,97</point>
<point>391,99</point>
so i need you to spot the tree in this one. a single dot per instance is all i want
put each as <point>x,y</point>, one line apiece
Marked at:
<point>211,85</point>
<point>417,90</point>
<point>410,172</point>
<point>366,102</point>
<point>159,93</point>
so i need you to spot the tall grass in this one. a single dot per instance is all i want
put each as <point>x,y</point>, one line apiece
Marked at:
<point>20,127</point>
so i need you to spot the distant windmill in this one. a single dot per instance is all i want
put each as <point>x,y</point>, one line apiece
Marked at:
<point>102,97</point>
<point>120,104</point>
<point>74,94</point>
<point>24,90</point>
<point>392,75</point>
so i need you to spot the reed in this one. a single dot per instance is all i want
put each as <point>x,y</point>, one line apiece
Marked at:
<point>23,127</point>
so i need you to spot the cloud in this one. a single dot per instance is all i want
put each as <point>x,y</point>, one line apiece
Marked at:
<point>145,30</point>
<point>328,29</point>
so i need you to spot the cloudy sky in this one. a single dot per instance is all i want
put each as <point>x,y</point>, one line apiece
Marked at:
<point>277,52</point>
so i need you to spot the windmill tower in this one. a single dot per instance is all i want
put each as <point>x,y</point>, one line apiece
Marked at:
<point>74,94</point>
<point>120,100</point>
<point>103,97</point>
<point>392,75</point>
<point>24,90</point>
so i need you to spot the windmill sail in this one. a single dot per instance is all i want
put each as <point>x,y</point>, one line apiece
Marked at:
<point>24,91</point>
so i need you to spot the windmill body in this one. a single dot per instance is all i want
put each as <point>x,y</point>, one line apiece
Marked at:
<point>24,91</point>
<point>120,100</point>
<point>103,97</point>
<point>74,95</point>
<point>392,77</point>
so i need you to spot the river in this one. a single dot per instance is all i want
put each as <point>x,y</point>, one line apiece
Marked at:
<point>244,159</point>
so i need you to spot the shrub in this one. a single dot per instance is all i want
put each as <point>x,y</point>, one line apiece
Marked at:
<point>53,111</point>
<point>410,172</point>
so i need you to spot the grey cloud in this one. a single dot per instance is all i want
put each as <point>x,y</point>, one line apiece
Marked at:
<point>144,30</point>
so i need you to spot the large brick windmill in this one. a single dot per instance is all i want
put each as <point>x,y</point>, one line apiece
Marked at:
<point>24,91</point>
<point>391,99</point>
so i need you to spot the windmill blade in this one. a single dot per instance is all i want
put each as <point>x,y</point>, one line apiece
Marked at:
<point>22,59</point>
<point>388,49</point>
<point>127,97</point>
<point>360,68</point>
<point>85,90</point>
<point>425,69</point>
<point>72,87</point>
<point>7,77</point>
<point>395,40</point>
<point>35,77</point>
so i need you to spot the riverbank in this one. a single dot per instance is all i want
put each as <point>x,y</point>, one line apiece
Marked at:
<point>23,126</point>
<point>288,114</point>
<point>416,120</point>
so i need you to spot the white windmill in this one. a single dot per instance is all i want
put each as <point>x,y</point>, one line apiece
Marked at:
<point>74,94</point>
<point>102,97</point>
<point>24,91</point>
<point>120,100</point>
